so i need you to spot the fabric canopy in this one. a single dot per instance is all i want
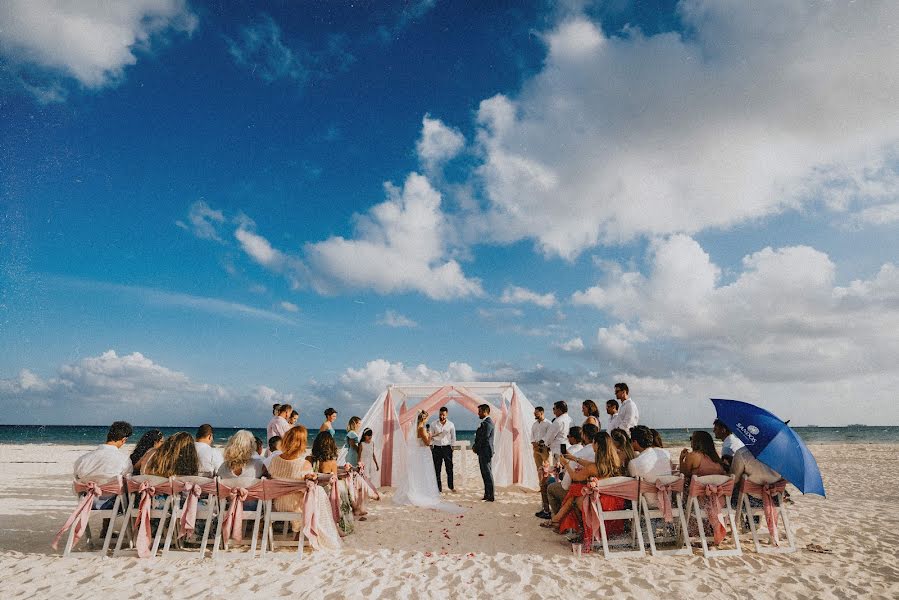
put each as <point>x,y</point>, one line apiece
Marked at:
<point>391,419</point>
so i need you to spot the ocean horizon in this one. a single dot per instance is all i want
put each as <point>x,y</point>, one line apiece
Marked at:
<point>89,435</point>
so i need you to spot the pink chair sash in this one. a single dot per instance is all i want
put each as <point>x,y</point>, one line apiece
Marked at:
<point>146,492</point>
<point>232,523</point>
<point>713,494</point>
<point>371,488</point>
<point>590,506</point>
<point>767,492</point>
<point>335,499</point>
<point>663,497</point>
<point>82,513</point>
<point>193,490</point>
<point>277,488</point>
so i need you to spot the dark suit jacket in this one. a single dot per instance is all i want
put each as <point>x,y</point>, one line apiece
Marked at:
<point>483,439</point>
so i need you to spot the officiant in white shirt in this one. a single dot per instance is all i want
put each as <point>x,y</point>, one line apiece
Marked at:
<point>443,436</point>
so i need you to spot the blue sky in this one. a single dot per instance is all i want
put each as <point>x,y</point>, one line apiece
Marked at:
<point>205,211</point>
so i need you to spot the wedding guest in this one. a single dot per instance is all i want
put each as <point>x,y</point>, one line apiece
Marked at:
<point>561,425</point>
<point>291,465</point>
<point>176,457</point>
<point>657,439</point>
<point>274,449</point>
<point>612,411</point>
<point>259,446</point>
<point>275,408</point>
<point>240,458</point>
<point>352,441</point>
<point>210,458</point>
<point>756,471</point>
<point>651,461</point>
<point>702,458</point>
<point>559,489</point>
<point>279,423</point>
<point>541,432</point>
<point>623,446</point>
<point>324,460</point>
<point>730,443</point>
<point>327,426</point>
<point>292,419</point>
<point>148,443</point>
<point>443,436</point>
<point>590,412</point>
<point>367,456</point>
<point>106,461</point>
<point>628,415</point>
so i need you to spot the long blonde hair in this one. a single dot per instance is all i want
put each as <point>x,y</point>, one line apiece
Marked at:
<point>607,463</point>
<point>240,449</point>
<point>422,417</point>
<point>177,456</point>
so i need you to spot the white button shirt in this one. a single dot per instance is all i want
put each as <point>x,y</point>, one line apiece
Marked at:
<point>628,415</point>
<point>101,464</point>
<point>730,445</point>
<point>277,426</point>
<point>541,430</point>
<point>650,463</point>
<point>560,426</point>
<point>443,434</point>
<point>580,452</point>
<point>615,422</point>
<point>210,459</point>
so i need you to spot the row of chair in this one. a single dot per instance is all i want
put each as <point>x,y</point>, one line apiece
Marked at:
<point>661,500</point>
<point>175,504</point>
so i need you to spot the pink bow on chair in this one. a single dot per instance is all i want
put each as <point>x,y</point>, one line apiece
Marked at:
<point>82,513</point>
<point>713,508</point>
<point>371,488</point>
<point>663,496</point>
<point>335,499</point>
<point>232,526</point>
<point>767,492</point>
<point>189,510</point>
<point>142,539</point>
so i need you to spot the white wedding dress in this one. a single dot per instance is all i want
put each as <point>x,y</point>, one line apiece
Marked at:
<point>419,488</point>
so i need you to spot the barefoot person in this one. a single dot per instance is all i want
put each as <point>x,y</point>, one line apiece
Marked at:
<point>483,447</point>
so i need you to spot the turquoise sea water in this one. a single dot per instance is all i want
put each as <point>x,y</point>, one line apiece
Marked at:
<point>91,434</point>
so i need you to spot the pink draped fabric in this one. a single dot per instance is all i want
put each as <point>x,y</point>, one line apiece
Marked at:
<point>663,493</point>
<point>193,491</point>
<point>146,492</point>
<point>387,448</point>
<point>371,488</point>
<point>590,506</point>
<point>767,492</point>
<point>81,515</point>
<point>429,404</point>
<point>713,494</point>
<point>517,463</point>
<point>335,499</point>
<point>232,522</point>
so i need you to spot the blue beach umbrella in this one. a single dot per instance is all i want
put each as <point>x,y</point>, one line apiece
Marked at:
<point>773,442</point>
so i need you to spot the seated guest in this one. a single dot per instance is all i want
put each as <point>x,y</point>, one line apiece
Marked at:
<point>274,449</point>
<point>292,465</point>
<point>756,471</point>
<point>259,446</point>
<point>557,491</point>
<point>623,446</point>
<point>210,458</point>
<point>574,439</point>
<point>146,446</point>
<point>279,423</point>
<point>324,460</point>
<point>657,439</point>
<point>651,461</point>
<point>702,459</point>
<point>729,442</point>
<point>177,456</point>
<point>106,461</point>
<point>240,458</point>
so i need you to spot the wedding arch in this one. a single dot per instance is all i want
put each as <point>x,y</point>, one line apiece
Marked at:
<point>392,421</point>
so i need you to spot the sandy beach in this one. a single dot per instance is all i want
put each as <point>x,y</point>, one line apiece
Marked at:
<point>493,550</point>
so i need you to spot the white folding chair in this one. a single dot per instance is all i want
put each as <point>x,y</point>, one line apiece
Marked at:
<point>78,523</point>
<point>661,489</point>
<point>772,497</point>
<point>232,493</point>
<point>275,489</point>
<point>713,487</point>
<point>196,495</point>
<point>627,488</point>
<point>144,492</point>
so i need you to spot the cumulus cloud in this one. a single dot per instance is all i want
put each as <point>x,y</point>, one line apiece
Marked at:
<point>763,107</point>
<point>782,319</point>
<point>572,345</point>
<point>392,318</point>
<point>519,295</point>
<point>133,387</point>
<point>399,247</point>
<point>438,143</point>
<point>90,42</point>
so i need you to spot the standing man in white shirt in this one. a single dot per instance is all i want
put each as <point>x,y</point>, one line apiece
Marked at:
<point>210,458</point>
<point>612,411</point>
<point>443,436</point>
<point>628,415</point>
<point>561,425</point>
<point>541,435</point>
<point>279,425</point>
<point>106,461</point>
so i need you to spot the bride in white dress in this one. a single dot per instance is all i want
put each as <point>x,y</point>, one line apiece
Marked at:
<point>419,488</point>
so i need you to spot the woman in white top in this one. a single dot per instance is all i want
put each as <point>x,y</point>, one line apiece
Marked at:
<point>240,457</point>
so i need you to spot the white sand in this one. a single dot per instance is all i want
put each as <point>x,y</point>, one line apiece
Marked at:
<point>493,551</point>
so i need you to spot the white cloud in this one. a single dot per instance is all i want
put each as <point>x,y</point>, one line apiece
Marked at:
<point>762,107</point>
<point>400,247</point>
<point>438,143</point>
<point>289,306</point>
<point>519,295</point>
<point>267,396</point>
<point>260,250</point>
<point>203,221</point>
<point>92,42</point>
<point>782,318</point>
<point>394,319</point>
<point>572,345</point>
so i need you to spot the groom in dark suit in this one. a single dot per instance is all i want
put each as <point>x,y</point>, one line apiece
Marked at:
<point>483,447</point>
